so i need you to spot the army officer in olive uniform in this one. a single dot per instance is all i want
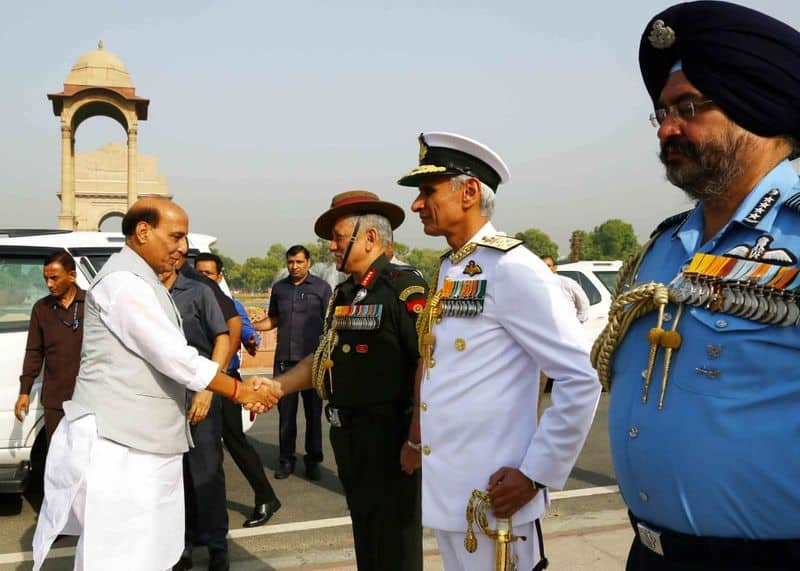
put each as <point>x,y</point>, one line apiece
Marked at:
<point>365,367</point>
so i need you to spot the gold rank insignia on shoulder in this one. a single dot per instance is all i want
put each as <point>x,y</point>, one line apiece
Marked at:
<point>472,269</point>
<point>499,242</point>
<point>462,298</point>
<point>409,291</point>
<point>357,317</point>
<point>463,252</point>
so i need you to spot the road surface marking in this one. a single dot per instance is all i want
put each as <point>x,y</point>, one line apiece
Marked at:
<point>22,556</point>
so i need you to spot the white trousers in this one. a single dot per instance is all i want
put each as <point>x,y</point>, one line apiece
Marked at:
<point>456,558</point>
<point>126,505</point>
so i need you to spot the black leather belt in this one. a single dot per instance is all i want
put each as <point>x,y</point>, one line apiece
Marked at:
<point>343,417</point>
<point>717,552</point>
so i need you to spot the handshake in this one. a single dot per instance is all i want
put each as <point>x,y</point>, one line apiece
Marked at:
<point>257,394</point>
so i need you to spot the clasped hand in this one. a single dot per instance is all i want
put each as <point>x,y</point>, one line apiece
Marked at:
<point>259,394</point>
<point>509,490</point>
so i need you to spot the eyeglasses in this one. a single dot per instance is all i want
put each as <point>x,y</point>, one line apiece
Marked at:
<point>685,110</point>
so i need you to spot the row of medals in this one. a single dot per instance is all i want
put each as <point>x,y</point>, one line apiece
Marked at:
<point>462,298</point>
<point>743,288</point>
<point>358,317</point>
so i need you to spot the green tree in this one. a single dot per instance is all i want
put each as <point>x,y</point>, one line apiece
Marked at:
<point>538,242</point>
<point>613,240</point>
<point>319,252</point>
<point>231,269</point>
<point>582,241</point>
<point>257,274</point>
<point>425,260</point>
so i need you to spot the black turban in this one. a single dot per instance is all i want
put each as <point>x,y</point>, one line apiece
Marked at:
<point>748,63</point>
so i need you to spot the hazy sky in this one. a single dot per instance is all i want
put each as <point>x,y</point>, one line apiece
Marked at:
<point>261,111</point>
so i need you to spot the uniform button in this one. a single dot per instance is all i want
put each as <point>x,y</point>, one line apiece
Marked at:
<point>460,344</point>
<point>426,450</point>
<point>644,373</point>
<point>721,323</point>
<point>633,432</point>
<point>667,317</point>
<point>643,496</point>
<point>432,364</point>
<point>424,407</point>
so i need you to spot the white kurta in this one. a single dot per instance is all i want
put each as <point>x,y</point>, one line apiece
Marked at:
<point>478,407</point>
<point>127,505</point>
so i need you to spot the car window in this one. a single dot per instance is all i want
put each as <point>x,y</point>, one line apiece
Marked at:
<point>21,285</point>
<point>588,287</point>
<point>608,277</point>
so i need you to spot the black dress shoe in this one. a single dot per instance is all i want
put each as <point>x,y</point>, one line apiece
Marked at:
<point>262,513</point>
<point>185,562</point>
<point>218,561</point>
<point>285,470</point>
<point>312,471</point>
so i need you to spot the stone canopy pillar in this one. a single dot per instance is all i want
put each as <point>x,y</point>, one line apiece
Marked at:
<point>66,218</point>
<point>97,85</point>
<point>132,190</point>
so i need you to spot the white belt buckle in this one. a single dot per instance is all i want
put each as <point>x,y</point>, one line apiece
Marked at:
<point>650,539</point>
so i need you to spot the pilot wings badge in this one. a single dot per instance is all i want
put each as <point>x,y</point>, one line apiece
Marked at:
<point>761,252</point>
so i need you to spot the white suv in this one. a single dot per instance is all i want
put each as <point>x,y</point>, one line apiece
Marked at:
<point>22,253</point>
<point>597,279</point>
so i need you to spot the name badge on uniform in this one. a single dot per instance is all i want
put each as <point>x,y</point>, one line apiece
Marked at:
<point>463,298</point>
<point>650,538</point>
<point>357,317</point>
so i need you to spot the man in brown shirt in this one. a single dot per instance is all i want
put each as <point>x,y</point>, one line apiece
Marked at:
<point>54,338</point>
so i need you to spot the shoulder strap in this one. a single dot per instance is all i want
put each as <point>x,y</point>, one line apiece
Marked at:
<point>668,223</point>
<point>499,242</point>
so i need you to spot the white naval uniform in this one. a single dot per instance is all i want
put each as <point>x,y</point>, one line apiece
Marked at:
<point>126,504</point>
<point>478,405</point>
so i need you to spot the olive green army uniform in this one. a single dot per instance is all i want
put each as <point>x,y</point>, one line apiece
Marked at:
<point>370,389</point>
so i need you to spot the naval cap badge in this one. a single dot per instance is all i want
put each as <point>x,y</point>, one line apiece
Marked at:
<point>661,36</point>
<point>423,147</point>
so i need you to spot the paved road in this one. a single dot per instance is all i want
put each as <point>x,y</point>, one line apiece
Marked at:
<point>281,545</point>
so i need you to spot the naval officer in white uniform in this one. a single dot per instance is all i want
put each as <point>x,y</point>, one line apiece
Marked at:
<point>497,319</point>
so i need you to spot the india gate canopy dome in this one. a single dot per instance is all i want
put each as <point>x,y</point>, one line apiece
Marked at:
<point>99,68</point>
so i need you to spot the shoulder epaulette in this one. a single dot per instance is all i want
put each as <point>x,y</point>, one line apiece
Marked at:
<point>499,242</point>
<point>793,203</point>
<point>673,220</point>
<point>401,275</point>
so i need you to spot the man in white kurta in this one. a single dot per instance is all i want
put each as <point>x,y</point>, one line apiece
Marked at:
<point>114,472</point>
<point>500,319</point>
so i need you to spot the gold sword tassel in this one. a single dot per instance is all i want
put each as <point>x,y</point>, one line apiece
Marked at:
<point>655,335</point>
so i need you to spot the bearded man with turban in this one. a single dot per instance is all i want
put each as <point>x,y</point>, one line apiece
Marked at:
<point>702,346</point>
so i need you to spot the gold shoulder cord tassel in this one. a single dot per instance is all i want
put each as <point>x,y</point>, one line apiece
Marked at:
<point>425,338</point>
<point>322,361</point>
<point>628,306</point>
<point>477,506</point>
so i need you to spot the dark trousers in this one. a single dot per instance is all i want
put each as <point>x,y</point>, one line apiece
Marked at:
<point>204,483</point>
<point>52,416</point>
<point>384,502</point>
<point>753,558</point>
<point>287,411</point>
<point>242,452</point>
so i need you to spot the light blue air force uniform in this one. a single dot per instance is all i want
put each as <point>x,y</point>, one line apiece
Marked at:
<point>723,456</point>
